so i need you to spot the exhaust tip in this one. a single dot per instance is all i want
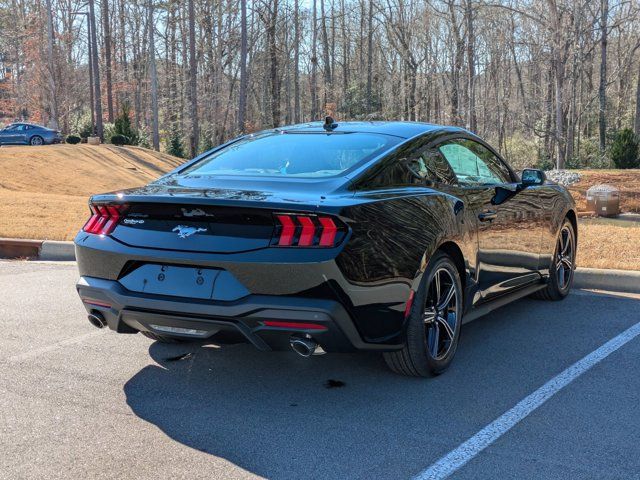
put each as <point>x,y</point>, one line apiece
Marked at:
<point>305,347</point>
<point>97,320</point>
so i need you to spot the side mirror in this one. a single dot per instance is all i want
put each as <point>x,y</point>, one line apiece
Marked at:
<point>531,176</point>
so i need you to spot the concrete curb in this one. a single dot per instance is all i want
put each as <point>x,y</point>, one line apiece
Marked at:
<point>36,249</point>
<point>614,280</point>
<point>19,248</point>
<point>56,250</point>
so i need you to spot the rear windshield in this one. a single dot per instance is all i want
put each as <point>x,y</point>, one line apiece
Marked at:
<point>293,154</point>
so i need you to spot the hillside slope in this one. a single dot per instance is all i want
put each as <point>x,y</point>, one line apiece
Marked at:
<point>44,190</point>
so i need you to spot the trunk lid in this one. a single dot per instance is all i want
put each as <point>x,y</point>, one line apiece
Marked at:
<point>198,215</point>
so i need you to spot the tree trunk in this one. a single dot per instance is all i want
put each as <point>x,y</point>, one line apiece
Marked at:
<point>602,95</point>
<point>90,68</point>
<point>369,56</point>
<point>296,62</point>
<point>559,115</point>
<point>53,97</point>
<point>193,82</point>
<point>314,63</point>
<point>153,79</point>
<point>106,33</point>
<point>273,65</point>
<point>636,123</point>
<point>96,70</point>
<point>471,68</point>
<point>242,101</point>
<point>328,81</point>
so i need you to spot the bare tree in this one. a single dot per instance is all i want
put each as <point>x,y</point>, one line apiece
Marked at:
<point>242,96</point>
<point>53,105</point>
<point>602,89</point>
<point>106,34</point>
<point>96,71</point>
<point>153,79</point>
<point>193,81</point>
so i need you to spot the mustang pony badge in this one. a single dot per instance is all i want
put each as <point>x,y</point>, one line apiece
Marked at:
<point>185,231</point>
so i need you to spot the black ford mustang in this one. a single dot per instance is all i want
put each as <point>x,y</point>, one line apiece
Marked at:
<point>329,237</point>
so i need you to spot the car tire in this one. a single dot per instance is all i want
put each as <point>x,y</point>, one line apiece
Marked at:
<point>433,328</point>
<point>163,338</point>
<point>36,140</point>
<point>562,267</point>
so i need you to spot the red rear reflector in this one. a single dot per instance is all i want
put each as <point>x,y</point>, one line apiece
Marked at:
<point>308,231</point>
<point>96,303</point>
<point>294,325</point>
<point>288,229</point>
<point>407,309</point>
<point>104,218</point>
<point>329,231</point>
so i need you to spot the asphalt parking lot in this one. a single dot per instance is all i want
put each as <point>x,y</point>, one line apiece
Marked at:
<point>78,402</point>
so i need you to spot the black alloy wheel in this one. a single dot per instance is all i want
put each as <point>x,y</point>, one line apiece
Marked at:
<point>563,265</point>
<point>433,326</point>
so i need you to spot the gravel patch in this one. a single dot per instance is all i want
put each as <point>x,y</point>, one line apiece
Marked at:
<point>563,177</point>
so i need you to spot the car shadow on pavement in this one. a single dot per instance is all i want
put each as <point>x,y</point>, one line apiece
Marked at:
<point>278,415</point>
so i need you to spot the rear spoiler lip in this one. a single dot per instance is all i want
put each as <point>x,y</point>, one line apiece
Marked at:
<point>271,204</point>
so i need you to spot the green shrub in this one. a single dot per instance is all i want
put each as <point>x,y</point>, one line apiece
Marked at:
<point>624,149</point>
<point>86,129</point>
<point>122,125</point>
<point>73,139</point>
<point>175,146</point>
<point>118,139</point>
<point>108,131</point>
<point>143,138</point>
<point>587,154</point>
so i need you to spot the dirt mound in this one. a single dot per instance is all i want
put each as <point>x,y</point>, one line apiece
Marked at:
<point>44,190</point>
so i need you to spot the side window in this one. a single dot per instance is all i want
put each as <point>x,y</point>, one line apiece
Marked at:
<point>434,167</point>
<point>474,164</point>
<point>20,128</point>
<point>427,164</point>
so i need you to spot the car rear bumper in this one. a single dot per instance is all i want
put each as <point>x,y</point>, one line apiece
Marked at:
<point>253,316</point>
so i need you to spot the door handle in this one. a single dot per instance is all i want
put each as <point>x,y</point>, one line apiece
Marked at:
<point>487,216</point>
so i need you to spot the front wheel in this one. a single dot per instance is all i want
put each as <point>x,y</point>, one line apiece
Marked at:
<point>562,266</point>
<point>36,140</point>
<point>433,326</point>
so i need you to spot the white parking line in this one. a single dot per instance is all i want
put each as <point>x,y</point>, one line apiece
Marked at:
<point>460,456</point>
<point>53,346</point>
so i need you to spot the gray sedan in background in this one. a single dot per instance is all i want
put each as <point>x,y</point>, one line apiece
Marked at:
<point>28,134</point>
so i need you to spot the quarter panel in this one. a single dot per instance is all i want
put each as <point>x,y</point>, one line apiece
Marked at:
<point>556,202</point>
<point>393,237</point>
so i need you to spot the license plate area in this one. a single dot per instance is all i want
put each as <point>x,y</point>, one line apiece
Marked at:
<point>186,282</point>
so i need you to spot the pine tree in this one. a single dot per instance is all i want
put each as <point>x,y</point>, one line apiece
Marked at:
<point>175,146</point>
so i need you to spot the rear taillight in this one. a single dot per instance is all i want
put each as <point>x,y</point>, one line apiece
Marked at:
<point>307,231</point>
<point>104,218</point>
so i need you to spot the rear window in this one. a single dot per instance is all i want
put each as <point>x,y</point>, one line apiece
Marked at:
<point>293,154</point>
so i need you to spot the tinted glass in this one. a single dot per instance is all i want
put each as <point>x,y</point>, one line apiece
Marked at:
<point>434,168</point>
<point>293,154</point>
<point>474,164</point>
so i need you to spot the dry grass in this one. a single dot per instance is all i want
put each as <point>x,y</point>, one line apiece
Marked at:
<point>628,181</point>
<point>605,245</point>
<point>44,190</point>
